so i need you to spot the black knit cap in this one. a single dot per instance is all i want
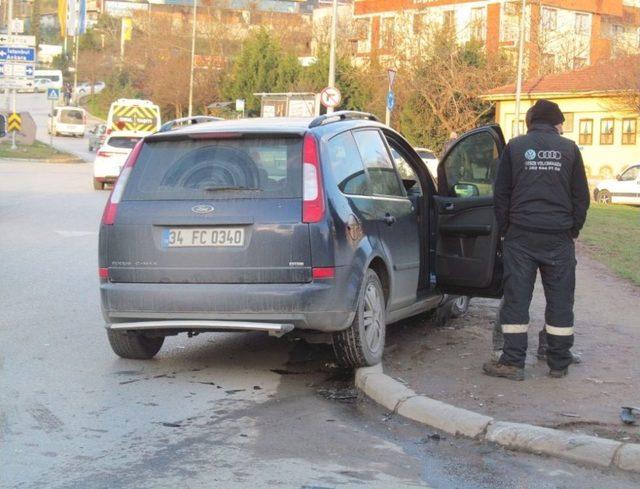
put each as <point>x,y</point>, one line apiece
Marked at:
<point>545,112</point>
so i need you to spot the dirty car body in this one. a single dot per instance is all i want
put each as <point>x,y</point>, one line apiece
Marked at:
<point>276,224</point>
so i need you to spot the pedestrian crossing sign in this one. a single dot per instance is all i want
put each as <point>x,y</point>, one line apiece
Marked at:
<point>53,93</point>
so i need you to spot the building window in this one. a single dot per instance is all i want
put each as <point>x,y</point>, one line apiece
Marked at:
<point>512,8</point>
<point>449,21</point>
<point>420,23</point>
<point>629,131</point>
<point>514,128</point>
<point>579,62</point>
<point>585,136</point>
<point>477,23</point>
<point>567,125</point>
<point>386,32</point>
<point>549,19</point>
<point>617,30</point>
<point>582,24</point>
<point>606,131</point>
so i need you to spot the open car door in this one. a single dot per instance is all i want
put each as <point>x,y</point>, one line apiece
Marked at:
<point>468,258</point>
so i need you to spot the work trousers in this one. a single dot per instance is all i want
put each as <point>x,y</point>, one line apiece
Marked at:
<point>525,253</point>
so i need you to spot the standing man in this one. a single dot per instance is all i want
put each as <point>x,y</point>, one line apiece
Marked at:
<point>541,202</point>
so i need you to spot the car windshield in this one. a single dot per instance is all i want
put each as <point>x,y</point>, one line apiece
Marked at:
<point>71,117</point>
<point>122,142</point>
<point>249,167</point>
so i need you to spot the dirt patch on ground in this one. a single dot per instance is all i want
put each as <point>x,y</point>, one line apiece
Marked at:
<point>445,363</point>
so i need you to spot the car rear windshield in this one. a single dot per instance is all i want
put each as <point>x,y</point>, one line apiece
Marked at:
<point>246,167</point>
<point>71,117</point>
<point>122,142</point>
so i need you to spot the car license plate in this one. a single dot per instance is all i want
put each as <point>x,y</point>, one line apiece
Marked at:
<point>202,237</point>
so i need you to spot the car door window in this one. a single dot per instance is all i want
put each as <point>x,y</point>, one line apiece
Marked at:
<point>406,172</point>
<point>346,165</point>
<point>384,180</point>
<point>471,166</point>
<point>631,174</point>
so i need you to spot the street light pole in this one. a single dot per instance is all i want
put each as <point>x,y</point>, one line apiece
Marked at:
<point>520,67</point>
<point>13,94</point>
<point>193,55</point>
<point>332,50</point>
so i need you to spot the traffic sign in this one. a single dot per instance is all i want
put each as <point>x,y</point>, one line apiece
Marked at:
<point>53,93</point>
<point>391,100</point>
<point>14,53</point>
<point>14,122</point>
<point>17,40</point>
<point>392,76</point>
<point>16,83</point>
<point>330,97</point>
<point>17,70</point>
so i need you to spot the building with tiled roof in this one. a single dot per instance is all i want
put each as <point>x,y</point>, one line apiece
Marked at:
<point>601,111</point>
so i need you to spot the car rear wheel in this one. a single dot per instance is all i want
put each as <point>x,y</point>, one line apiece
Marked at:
<point>362,343</point>
<point>604,197</point>
<point>134,345</point>
<point>98,185</point>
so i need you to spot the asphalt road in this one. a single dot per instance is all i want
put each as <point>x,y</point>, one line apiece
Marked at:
<point>217,410</point>
<point>39,107</point>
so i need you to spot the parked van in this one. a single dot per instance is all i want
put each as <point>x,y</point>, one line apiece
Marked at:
<point>133,115</point>
<point>67,120</point>
<point>54,77</point>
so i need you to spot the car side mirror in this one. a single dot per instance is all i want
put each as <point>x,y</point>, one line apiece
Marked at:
<point>466,190</point>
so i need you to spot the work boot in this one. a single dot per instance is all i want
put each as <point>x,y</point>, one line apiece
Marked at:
<point>558,374</point>
<point>497,369</point>
<point>542,349</point>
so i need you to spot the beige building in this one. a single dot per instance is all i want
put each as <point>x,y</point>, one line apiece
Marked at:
<point>599,118</point>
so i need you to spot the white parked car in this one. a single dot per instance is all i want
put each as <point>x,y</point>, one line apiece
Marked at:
<point>625,189</point>
<point>111,157</point>
<point>67,120</point>
<point>430,159</point>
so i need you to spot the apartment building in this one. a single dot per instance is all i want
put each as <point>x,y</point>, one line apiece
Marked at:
<point>560,34</point>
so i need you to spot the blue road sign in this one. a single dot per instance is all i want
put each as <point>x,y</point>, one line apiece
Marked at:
<point>53,93</point>
<point>391,100</point>
<point>12,53</point>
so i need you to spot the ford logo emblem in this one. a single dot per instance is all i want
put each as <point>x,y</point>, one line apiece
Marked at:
<point>203,209</point>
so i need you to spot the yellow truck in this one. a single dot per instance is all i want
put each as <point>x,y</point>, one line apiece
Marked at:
<point>133,115</point>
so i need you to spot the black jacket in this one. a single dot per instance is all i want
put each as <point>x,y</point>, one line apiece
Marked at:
<point>541,184</point>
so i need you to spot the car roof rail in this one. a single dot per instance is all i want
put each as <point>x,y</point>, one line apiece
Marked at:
<point>187,121</point>
<point>342,115</point>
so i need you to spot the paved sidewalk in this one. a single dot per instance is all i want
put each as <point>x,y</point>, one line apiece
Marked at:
<point>445,363</point>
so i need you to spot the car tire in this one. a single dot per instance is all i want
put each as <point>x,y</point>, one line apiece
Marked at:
<point>362,343</point>
<point>98,185</point>
<point>134,345</point>
<point>604,197</point>
<point>460,306</point>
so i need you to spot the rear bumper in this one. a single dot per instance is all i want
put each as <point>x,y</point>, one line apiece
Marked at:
<point>327,305</point>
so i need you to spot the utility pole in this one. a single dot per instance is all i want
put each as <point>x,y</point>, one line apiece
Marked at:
<point>193,57</point>
<point>75,71</point>
<point>520,64</point>
<point>332,50</point>
<point>13,94</point>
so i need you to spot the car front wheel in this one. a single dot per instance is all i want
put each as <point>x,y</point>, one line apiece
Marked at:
<point>362,343</point>
<point>134,345</point>
<point>604,197</point>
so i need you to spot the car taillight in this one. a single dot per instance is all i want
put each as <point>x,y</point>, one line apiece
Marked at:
<point>312,190</point>
<point>110,210</point>
<point>103,273</point>
<point>104,153</point>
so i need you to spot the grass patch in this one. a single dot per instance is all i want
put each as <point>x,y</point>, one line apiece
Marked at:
<point>612,233</point>
<point>37,151</point>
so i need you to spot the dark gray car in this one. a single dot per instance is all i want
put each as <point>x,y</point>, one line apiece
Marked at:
<point>275,224</point>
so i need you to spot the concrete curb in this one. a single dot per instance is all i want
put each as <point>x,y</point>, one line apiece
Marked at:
<point>398,398</point>
<point>64,161</point>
